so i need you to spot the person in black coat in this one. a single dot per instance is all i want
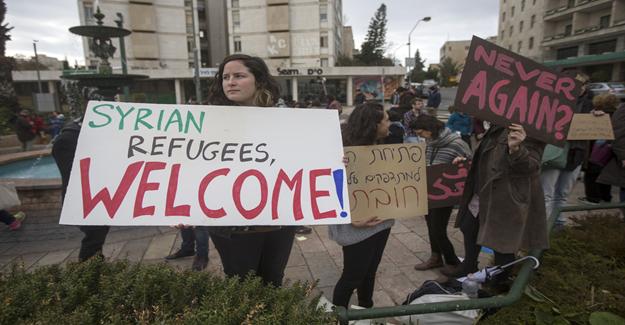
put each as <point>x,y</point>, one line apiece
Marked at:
<point>63,151</point>
<point>434,99</point>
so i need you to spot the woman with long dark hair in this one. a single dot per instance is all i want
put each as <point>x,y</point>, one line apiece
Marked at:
<point>243,80</point>
<point>363,241</point>
<point>442,147</point>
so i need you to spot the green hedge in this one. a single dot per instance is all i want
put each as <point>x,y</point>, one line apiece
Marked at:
<point>581,279</point>
<point>99,292</point>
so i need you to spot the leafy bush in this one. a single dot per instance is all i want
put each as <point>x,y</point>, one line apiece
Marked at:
<point>122,293</point>
<point>581,279</point>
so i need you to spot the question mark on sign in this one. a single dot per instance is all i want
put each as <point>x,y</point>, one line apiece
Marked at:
<point>568,116</point>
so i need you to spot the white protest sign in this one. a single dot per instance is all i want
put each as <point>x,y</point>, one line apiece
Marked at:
<point>151,164</point>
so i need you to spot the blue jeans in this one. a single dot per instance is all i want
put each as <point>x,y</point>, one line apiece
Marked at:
<point>201,241</point>
<point>557,184</point>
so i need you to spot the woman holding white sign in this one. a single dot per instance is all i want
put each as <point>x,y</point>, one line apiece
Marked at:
<point>443,147</point>
<point>363,242</point>
<point>263,250</point>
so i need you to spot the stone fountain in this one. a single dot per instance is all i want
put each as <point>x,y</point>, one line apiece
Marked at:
<point>105,81</point>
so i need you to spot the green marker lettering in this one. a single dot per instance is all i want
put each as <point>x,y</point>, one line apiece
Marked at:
<point>178,120</point>
<point>160,120</point>
<point>123,116</point>
<point>141,114</point>
<point>108,118</point>
<point>191,119</point>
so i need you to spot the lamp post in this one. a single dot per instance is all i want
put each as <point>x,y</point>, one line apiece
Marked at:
<point>428,18</point>
<point>37,65</point>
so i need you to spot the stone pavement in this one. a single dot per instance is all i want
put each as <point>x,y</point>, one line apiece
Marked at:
<point>42,241</point>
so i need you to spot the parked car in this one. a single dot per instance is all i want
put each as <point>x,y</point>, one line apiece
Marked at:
<point>616,88</point>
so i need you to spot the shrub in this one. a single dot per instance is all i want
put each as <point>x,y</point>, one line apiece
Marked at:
<point>122,293</point>
<point>581,279</point>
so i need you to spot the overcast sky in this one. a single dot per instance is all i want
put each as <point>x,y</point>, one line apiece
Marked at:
<point>48,20</point>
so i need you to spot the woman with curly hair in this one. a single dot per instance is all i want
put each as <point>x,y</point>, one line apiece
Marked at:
<point>363,241</point>
<point>244,80</point>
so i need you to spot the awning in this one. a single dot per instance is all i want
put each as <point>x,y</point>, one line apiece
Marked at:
<point>588,60</point>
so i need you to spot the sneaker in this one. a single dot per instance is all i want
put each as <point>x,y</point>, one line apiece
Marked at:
<point>587,201</point>
<point>179,254</point>
<point>199,263</point>
<point>303,230</point>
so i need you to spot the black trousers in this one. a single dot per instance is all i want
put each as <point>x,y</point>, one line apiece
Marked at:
<point>263,253</point>
<point>437,221</point>
<point>360,263</point>
<point>92,242</point>
<point>6,217</point>
<point>188,240</point>
<point>470,228</point>
<point>596,192</point>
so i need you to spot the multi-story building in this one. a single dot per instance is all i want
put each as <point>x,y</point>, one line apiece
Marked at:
<point>521,27</point>
<point>162,31</point>
<point>581,35</point>
<point>300,40</point>
<point>455,50</point>
<point>586,35</point>
<point>287,33</point>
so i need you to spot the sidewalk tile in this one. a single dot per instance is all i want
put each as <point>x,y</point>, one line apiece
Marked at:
<point>159,247</point>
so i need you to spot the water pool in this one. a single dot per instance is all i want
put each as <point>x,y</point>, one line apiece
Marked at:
<point>33,168</point>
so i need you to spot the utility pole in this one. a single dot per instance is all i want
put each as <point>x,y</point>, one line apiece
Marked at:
<point>196,75</point>
<point>122,52</point>
<point>37,65</point>
<point>426,19</point>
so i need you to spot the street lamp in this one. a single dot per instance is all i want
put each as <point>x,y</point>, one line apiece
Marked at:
<point>426,19</point>
<point>37,65</point>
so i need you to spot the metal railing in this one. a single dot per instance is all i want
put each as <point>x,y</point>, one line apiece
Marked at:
<point>515,293</point>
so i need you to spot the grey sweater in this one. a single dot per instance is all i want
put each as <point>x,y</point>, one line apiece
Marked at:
<point>345,235</point>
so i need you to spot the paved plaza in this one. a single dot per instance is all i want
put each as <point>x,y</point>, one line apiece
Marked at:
<point>42,241</point>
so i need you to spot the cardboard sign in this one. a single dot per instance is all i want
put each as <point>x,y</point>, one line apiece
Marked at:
<point>590,127</point>
<point>387,181</point>
<point>446,184</point>
<point>149,164</point>
<point>502,87</point>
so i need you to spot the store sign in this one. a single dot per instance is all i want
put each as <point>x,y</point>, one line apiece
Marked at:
<point>300,72</point>
<point>208,72</point>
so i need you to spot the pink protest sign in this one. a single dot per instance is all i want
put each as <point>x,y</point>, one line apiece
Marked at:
<point>503,87</point>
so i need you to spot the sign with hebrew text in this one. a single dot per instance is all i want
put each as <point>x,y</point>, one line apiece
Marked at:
<point>591,127</point>
<point>151,164</point>
<point>446,184</point>
<point>503,87</point>
<point>387,181</point>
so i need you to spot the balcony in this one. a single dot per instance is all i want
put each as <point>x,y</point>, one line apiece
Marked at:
<point>566,12</point>
<point>584,34</point>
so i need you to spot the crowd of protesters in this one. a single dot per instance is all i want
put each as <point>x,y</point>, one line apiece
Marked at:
<point>507,195</point>
<point>32,128</point>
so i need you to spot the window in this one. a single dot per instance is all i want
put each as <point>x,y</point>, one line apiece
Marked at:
<point>566,52</point>
<point>323,40</point>
<point>533,2</point>
<point>571,4</point>
<point>503,16</point>
<point>521,26</point>
<point>450,48</point>
<point>532,21</point>
<point>522,5</point>
<point>518,49</point>
<point>324,62</point>
<point>602,47</point>
<point>323,13</point>
<point>236,18</point>
<point>604,21</point>
<point>89,13</point>
<point>235,3</point>
<point>531,43</point>
<point>568,29</point>
<point>512,12</point>
<point>502,34</point>
<point>237,44</point>
<point>510,33</point>
<point>202,34</point>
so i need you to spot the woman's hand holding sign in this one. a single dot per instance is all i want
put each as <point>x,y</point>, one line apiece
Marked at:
<point>516,135</point>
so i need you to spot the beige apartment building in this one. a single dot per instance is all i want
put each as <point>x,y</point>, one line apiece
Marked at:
<point>456,50</point>
<point>579,35</point>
